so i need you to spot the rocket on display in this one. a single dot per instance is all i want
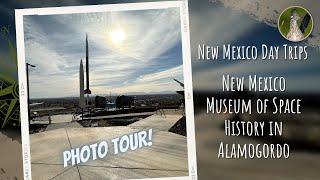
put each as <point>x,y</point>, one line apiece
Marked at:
<point>87,91</point>
<point>81,82</point>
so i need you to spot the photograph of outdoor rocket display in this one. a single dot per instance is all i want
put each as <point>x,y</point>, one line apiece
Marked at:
<point>94,77</point>
<point>97,76</point>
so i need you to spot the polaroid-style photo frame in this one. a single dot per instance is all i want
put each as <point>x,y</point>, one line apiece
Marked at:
<point>106,91</point>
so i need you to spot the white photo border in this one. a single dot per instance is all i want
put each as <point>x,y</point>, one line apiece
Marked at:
<point>187,70</point>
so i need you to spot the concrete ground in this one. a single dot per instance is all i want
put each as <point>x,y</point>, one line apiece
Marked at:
<point>158,122</point>
<point>167,157</point>
<point>55,119</point>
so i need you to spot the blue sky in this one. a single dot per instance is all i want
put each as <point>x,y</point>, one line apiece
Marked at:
<point>145,59</point>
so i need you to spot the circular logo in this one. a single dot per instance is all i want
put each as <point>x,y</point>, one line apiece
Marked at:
<point>295,23</point>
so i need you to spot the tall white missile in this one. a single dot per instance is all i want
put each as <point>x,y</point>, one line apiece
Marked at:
<point>81,82</point>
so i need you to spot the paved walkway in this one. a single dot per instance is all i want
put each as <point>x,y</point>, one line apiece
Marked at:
<point>157,122</point>
<point>167,157</point>
<point>62,121</point>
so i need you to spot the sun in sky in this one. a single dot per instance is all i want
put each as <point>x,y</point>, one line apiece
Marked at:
<point>120,46</point>
<point>117,36</point>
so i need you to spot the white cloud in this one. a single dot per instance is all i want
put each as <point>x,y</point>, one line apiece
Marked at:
<point>148,87</point>
<point>56,43</point>
<point>170,73</point>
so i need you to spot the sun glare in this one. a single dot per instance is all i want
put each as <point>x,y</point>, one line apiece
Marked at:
<point>117,36</point>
